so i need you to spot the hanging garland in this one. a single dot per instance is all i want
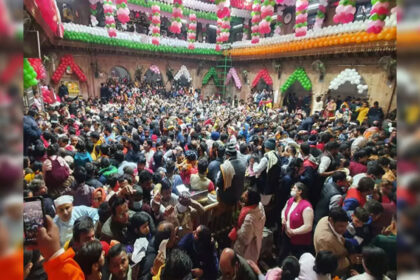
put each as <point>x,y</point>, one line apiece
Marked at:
<point>301,26</point>
<point>300,76</point>
<point>223,23</point>
<point>156,24</point>
<point>279,20</point>
<point>183,72</point>
<point>93,6</point>
<point>123,13</point>
<point>380,9</point>
<point>109,18</point>
<point>192,27</point>
<point>286,2</point>
<point>125,43</point>
<point>29,75</point>
<point>232,74</point>
<point>262,74</point>
<point>210,74</point>
<point>344,13</point>
<point>267,12</point>
<point>176,23</point>
<point>351,76</point>
<point>39,68</point>
<point>320,15</point>
<point>67,61</point>
<point>245,32</point>
<point>256,17</point>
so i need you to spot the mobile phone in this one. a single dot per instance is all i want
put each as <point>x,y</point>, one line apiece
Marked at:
<point>33,218</point>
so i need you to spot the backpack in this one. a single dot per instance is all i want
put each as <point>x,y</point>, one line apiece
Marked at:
<point>57,175</point>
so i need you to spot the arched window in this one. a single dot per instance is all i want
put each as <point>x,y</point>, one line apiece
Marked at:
<point>120,73</point>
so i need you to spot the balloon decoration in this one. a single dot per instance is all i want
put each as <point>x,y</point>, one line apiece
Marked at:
<point>351,76</point>
<point>202,10</point>
<point>93,11</point>
<point>380,9</point>
<point>232,74</point>
<point>267,12</point>
<point>223,23</point>
<point>338,35</point>
<point>39,68</point>
<point>192,28</point>
<point>210,74</point>
<point>240,4</point>
<point>279,20</point>
<point>245,32</point>
<point>83,33</point>
<point>183,72</point>
<point>256,17</point>
<point>262,74</point>
<point>344,13</point>
<point>176,23</point>
<point>29,75</point>
<point>320,15</point>
<point>123,13</point>
<point>155,24</point>
<point>154,69</point>
<point>298,76</point>
<point>286,2</point>
<point>67,61</point>
<point>109,18</point>
<point>301,26</point>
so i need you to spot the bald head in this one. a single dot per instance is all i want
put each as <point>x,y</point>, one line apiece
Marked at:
<point>228,263</point>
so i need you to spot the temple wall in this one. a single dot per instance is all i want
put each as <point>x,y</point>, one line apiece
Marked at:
<point>367,66</point>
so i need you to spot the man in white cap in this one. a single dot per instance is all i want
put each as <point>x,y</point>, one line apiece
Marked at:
<point>67,214</point>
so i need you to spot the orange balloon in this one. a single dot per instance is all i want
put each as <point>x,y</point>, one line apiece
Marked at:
<point>365,38</point>
<point>388,36</point>
<point>358,39</point>
<point>372,37</point>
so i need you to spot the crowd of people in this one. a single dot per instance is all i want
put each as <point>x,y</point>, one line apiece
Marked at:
<point>128,179</point>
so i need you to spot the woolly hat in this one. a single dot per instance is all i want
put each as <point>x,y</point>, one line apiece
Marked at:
<point>215,135</point>
<point>230,149</point>
<point>270,144</point>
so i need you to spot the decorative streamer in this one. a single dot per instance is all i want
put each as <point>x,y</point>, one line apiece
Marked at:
<point>256,17</point>
<point>93,5</point>
<point>156,24</point>
<point>123,13</point>
<point>380,9</point>
<point>301,26</point>
<point>267,12</point>
<point>279,20</point>
<point>344,13</point>
<point>192,28</point>
<point>109,18</point>
<point>320,15</point>
<point>223,23</point>
<point>176,23</point>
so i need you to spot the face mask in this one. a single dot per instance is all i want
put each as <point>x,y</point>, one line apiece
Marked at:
<point>181,208</point>
<point>293,193</point>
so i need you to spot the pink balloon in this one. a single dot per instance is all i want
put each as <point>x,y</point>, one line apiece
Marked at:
<point>155,41</point>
